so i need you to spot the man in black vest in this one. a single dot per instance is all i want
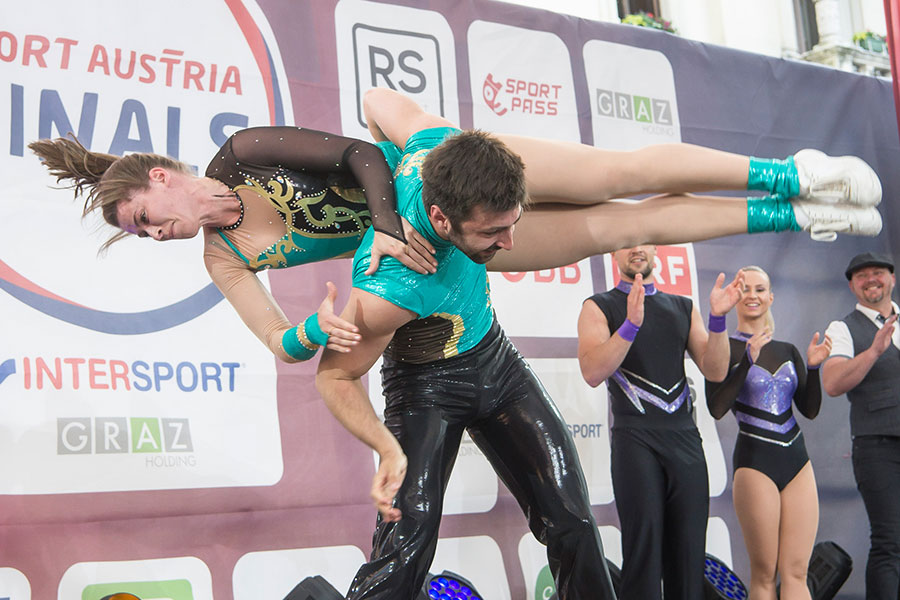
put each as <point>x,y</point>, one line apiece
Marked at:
<point>865,365</point>
<point>635,337</point>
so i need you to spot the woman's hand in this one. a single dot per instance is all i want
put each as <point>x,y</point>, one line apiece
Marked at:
<point>342,335</point>
<point>755,343</point>
<point>817,353</point>
<point>417,253</point>
<point>723,299</point>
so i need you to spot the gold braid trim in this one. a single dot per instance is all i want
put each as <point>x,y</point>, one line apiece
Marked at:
<point>305,341</point>
<point>451,346</point>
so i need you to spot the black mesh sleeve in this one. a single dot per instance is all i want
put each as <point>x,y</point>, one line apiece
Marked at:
<point>808,396</point>
<point>720,397</point>
<point>317,152</point>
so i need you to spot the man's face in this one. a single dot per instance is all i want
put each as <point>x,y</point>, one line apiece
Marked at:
<point>872,285</point>
<point>631,261</point>
<point>484,233</point>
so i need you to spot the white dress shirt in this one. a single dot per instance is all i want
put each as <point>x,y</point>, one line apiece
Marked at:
<point>842,342</point>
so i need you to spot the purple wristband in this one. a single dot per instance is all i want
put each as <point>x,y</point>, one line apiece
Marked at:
<point>716,324</point>
<point>628,330</point>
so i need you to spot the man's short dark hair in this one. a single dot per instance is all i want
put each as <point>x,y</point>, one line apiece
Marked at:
<point>473,169</point>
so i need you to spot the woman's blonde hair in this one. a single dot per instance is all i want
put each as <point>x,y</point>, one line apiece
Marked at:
<point>770,320</point>
<point>108,179</point>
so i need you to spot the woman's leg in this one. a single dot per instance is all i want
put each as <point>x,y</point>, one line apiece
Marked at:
<point>576,173</point>
<point>553,235</point>
<point>799,523</point>
<point>569,172</point>
<point>758,507</point>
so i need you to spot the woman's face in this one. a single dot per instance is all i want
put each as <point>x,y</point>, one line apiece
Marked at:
<point>162,211</point>
<point>757,295</point>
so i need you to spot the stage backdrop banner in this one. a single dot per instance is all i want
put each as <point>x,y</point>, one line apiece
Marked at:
<point>151,444</point>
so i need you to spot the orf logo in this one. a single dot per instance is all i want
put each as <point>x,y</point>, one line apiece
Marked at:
<point>672,271</point>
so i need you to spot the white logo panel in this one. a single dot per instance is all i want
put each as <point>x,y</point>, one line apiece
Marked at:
<point>533,558</point>
<point>718,541</point>
<point>706,424</point>
<point>521,82</point>
<point>183,405</point>
<point>542,303</point>
<point>586,412</point>
<point>405,49</point>
<point>181,578</point>
<point>632,92</point>
<point>274,573</point>
<point>14,585</point>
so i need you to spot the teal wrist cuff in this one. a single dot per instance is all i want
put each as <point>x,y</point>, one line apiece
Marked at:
<point>313,331</point>
<point>295,347</point>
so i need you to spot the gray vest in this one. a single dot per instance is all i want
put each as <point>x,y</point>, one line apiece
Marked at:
<point>875,402</point>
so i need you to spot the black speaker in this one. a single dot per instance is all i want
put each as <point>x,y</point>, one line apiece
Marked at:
<point>829,568</point>
<point>314,588</point>
<point>720,582</point>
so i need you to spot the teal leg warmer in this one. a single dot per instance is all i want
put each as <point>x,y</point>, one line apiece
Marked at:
<point>770,213</point>
<point>773,175</point>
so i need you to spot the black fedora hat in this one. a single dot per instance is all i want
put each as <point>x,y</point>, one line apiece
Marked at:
<point>868,259</point>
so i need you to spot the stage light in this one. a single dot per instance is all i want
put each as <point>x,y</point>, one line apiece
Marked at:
<point>829,568</point>
<point>314,588</point>
<point>450,586</point>
<point>721,582</point>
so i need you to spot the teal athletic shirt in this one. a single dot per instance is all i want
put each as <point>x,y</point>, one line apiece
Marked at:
<point>453,304</point>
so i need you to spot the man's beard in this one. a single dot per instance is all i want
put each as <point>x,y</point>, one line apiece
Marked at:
<point>645,272</point>
<point>480,257</point>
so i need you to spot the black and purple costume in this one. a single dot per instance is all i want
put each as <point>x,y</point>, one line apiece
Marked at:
<point>658,467</point>
<point>760,394</point>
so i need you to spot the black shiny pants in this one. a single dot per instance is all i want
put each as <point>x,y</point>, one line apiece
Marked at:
<point>876,465</point>
<point>662,497</point>
<point>493,393</point>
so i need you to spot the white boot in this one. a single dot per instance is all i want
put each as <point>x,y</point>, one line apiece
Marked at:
<point>825,221</point>
<point>833,179</point>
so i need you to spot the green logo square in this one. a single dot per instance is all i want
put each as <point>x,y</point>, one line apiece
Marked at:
<point>643,110</point>
<point>174,589</point>
<point>145,435</point>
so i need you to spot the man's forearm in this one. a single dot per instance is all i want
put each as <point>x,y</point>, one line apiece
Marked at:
<point>348,402</point>
<point>601,362</point>
<point>716,357</point>
<point>841,377</point>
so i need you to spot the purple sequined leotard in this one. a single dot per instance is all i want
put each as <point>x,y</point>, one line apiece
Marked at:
<point>761,395</point>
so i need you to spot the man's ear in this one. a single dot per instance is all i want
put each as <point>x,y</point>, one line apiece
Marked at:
<point>439,220</point>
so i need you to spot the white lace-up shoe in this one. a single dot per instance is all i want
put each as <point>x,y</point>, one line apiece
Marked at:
<point>835,179</point>
<point>825,221</point>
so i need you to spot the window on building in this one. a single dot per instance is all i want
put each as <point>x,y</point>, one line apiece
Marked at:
<point>807,32</point>
<point>630,7</point>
